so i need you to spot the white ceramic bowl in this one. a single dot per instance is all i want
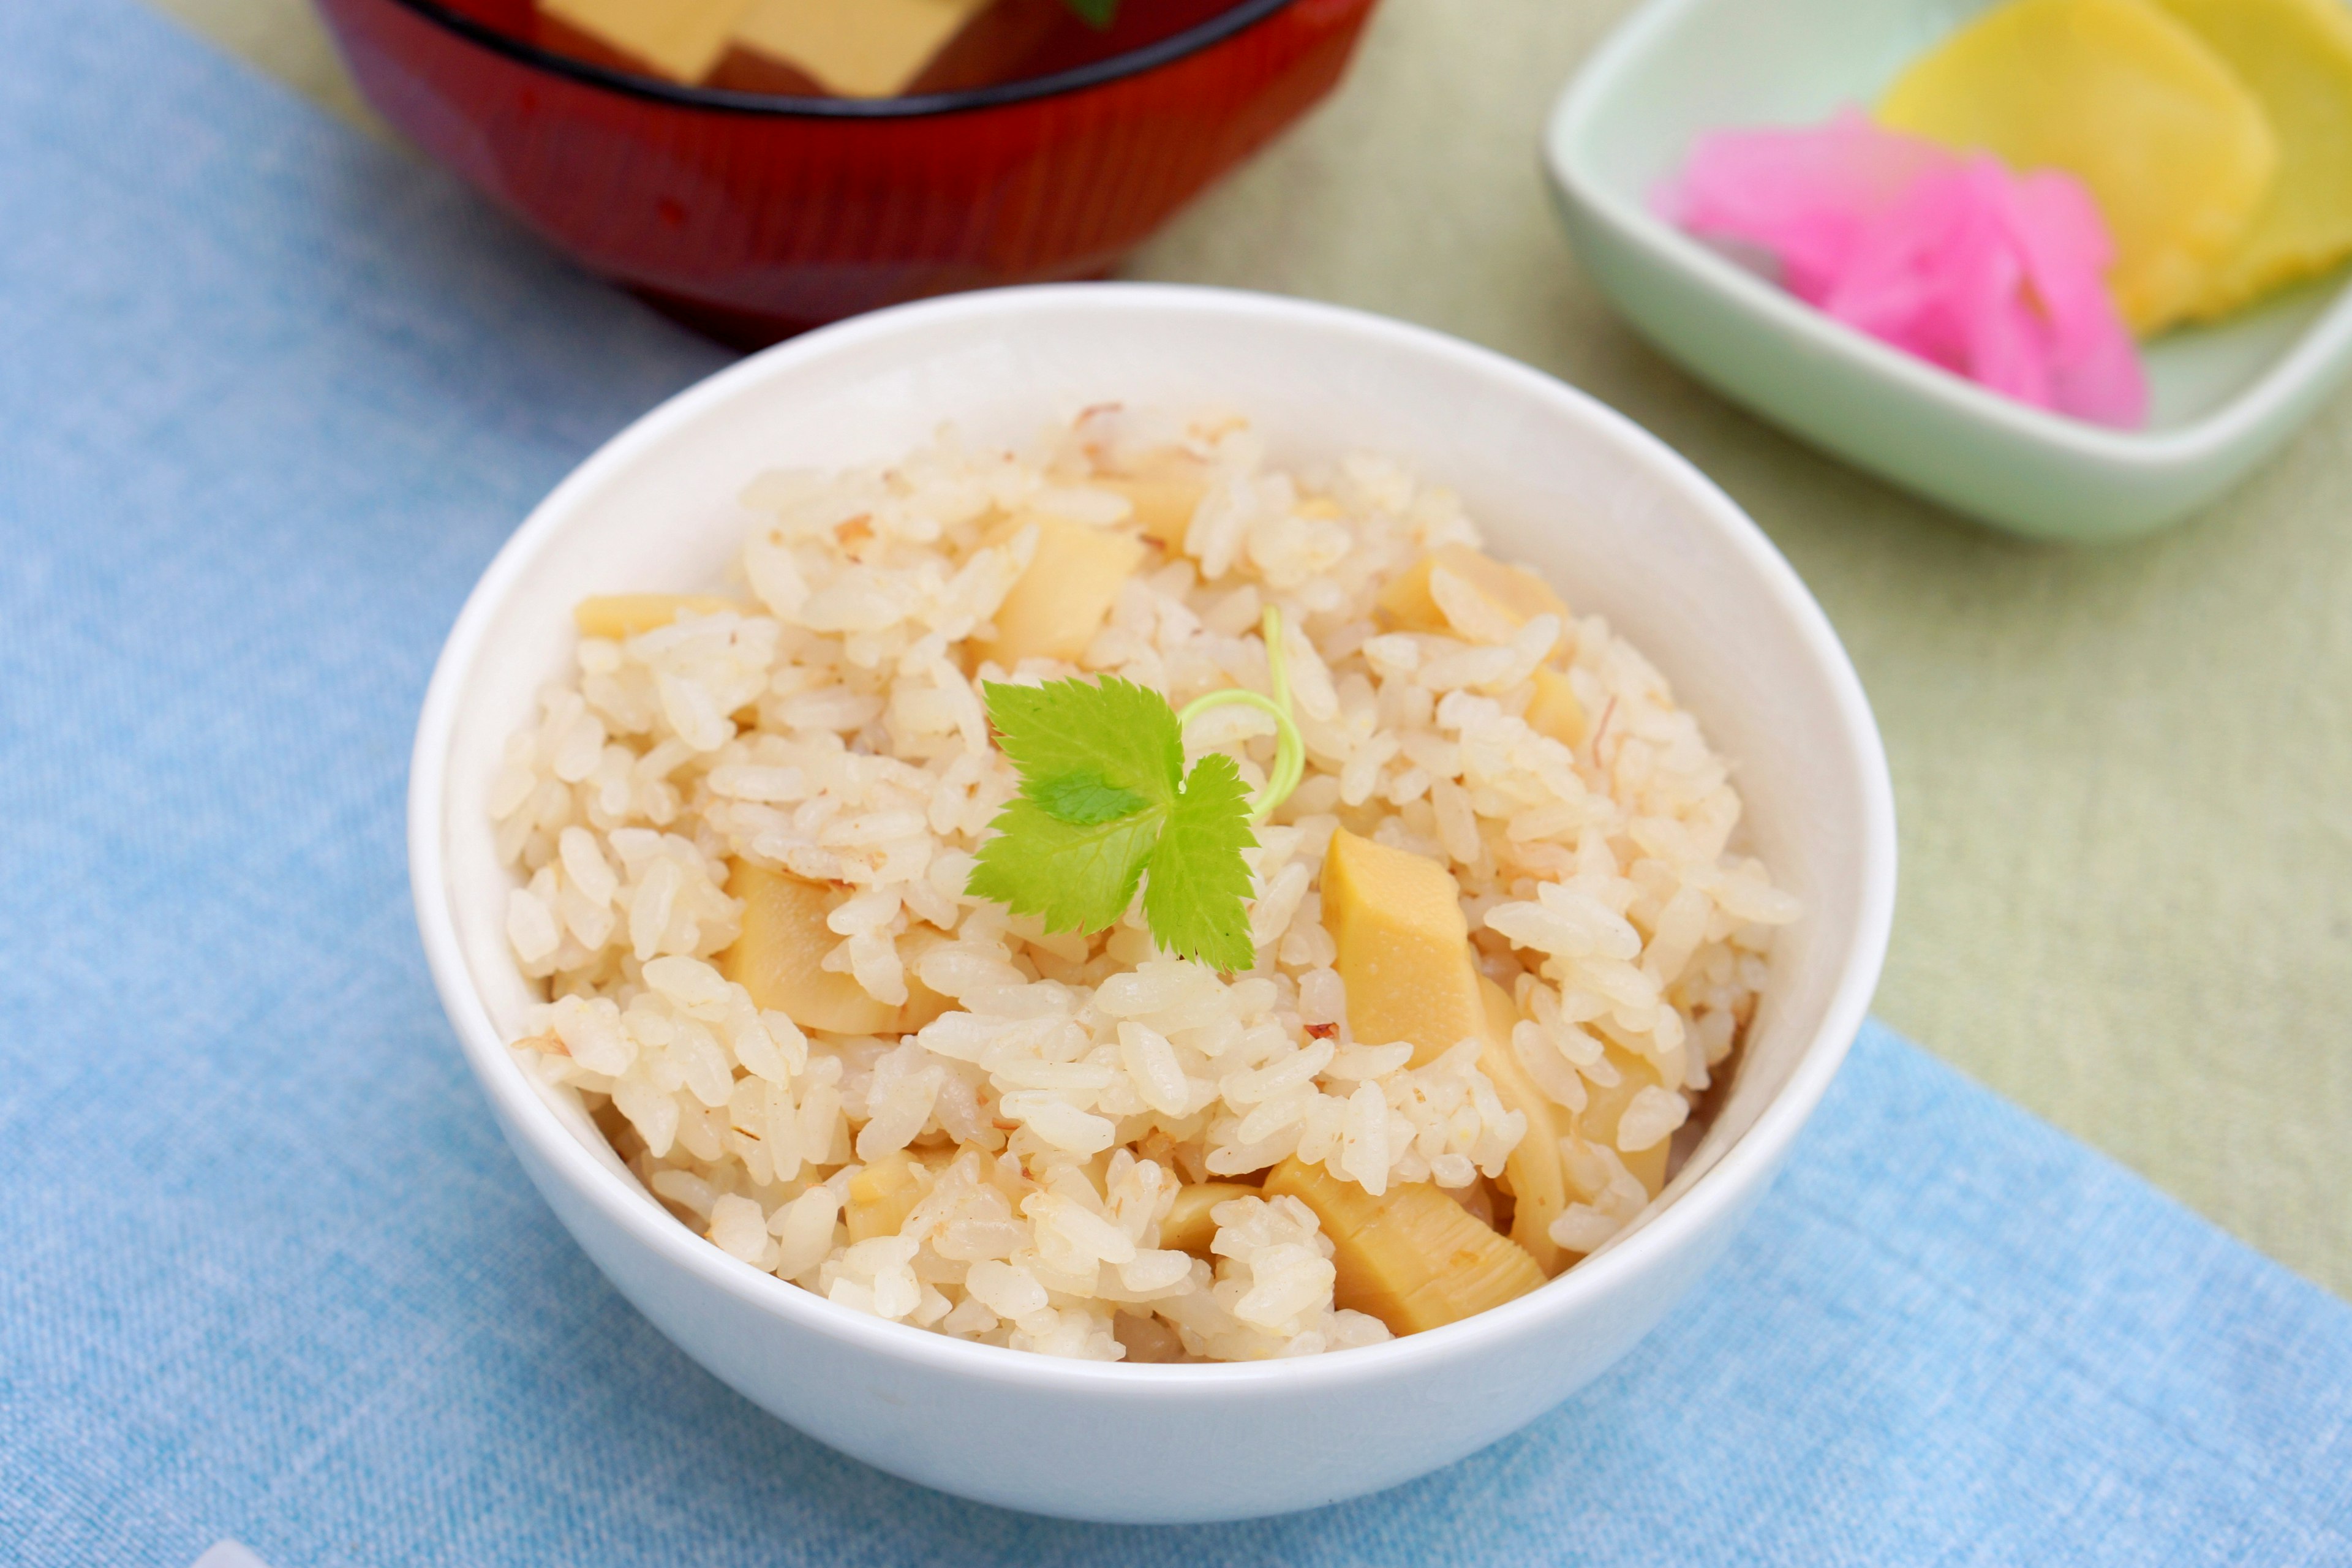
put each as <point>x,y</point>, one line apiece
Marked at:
<point>2224,396</point>
<point>1617,521</point>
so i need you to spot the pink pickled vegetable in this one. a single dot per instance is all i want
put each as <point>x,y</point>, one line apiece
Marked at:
<point>1995,275</point>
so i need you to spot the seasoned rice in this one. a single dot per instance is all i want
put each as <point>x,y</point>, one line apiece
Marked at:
<point>831,727</point>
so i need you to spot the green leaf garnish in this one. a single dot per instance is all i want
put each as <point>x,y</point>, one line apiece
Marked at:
<point>1095,14</point>
<point>1105,799</point>
<point>1075,877</point>
<point>1122,733</point>
<point>1200,883</point>
<point>1084,798</point>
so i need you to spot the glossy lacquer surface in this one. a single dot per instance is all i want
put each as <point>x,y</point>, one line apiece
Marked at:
<point>756,216</point>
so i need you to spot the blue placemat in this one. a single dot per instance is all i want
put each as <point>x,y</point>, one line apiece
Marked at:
<point>269,397</point>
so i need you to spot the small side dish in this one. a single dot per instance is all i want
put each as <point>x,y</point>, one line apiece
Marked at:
<point>2053,174</point>
<point>1123,900</point>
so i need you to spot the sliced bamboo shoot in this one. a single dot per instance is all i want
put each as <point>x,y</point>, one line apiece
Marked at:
<point>884,1194</point>
<point>1597,1120</point>
<point>1189,1227</point>
<point>1538,1185</point>
<point>1163,502</point>
<point>1058,605</point>
<point>1412,1257</point>
<point>784,942</point>
<point>1556,710</point>
<point>1405,947</point>
<point>1512,593</point>
<point>623,616</point>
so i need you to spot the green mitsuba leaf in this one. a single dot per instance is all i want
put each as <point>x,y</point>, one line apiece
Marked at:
<point>1084,798</point>
<point>1075,877</point>
<point>1123,734</point>
<point>1197,898</point>
<point>1105,807</point>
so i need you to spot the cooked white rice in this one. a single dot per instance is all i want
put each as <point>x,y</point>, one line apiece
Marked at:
<point>837,734</point>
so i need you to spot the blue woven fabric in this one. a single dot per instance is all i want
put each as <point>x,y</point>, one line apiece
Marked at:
<point>269,397</point>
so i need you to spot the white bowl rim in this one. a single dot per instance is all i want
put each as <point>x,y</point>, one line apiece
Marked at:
<point>1749,1161</point>
<point>2239,419</point>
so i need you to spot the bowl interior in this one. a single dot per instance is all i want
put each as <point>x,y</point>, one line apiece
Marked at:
<point>1683,68</point>
<point>1617,522</point>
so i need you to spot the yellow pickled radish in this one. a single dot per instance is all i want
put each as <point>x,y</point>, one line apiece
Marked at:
<point>2173,147</point>
<point>2296,57</point>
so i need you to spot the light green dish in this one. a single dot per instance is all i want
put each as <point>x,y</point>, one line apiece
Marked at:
<point>2224,396</point>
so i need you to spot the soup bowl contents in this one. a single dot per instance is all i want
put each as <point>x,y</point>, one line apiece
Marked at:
<point>1124,898</point>
<point>756,170</point>
<point>853,48</point>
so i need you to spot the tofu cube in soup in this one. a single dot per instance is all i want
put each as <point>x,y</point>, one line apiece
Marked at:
<point>678,41</point>
<point>850,49</point>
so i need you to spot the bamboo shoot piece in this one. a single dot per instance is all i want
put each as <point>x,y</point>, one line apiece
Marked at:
<point>784,942</point>
<point>1189,1227</point>
<point>1058,605</point>
<point>1512,594</point>
<point>1412,1257</point>
<point>620,616</point>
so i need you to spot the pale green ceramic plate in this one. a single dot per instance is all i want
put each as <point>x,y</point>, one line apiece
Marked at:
<point>2225,397</point>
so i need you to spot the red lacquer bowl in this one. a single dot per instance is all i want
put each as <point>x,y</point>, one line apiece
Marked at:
<point>754,217</point>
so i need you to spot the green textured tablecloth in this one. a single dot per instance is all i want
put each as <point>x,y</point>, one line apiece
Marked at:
<point>2125,777</point>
